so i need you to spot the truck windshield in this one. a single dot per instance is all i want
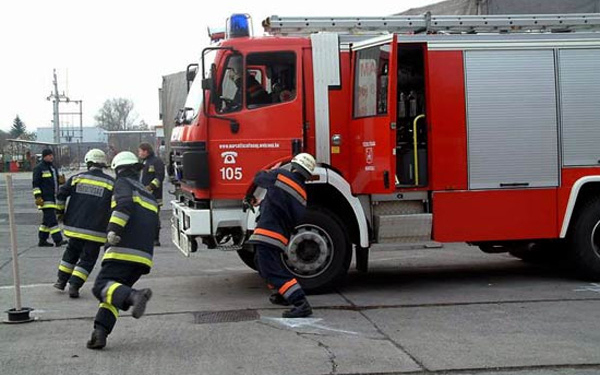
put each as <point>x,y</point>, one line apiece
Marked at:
<point>195,96</point>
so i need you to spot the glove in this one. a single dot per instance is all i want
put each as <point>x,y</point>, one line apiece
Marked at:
<point>39,201</point>
<point>150,188</point>
<point>113,238</point>
<point>61,179</point>
<point>248,203</point>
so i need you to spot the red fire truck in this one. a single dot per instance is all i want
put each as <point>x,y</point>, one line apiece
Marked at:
<point>477,129</point>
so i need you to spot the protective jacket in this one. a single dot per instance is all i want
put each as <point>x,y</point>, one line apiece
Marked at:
<point>45,183</point>
<point>153,174</point>
<point>134,218</point>
<point>281,209</point>
<point>88,208</point>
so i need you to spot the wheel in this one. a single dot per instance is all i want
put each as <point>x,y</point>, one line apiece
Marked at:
<point>584,240</point>
<point>246,254</point>
<point>319,252</point>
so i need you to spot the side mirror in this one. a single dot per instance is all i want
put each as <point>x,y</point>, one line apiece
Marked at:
<point>207,84</point>
<point>190,74</point>
<point>188,115</point>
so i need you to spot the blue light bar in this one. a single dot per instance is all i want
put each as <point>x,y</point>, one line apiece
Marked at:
<point>238,26</point>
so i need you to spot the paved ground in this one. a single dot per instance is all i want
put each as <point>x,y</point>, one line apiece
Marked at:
<point>453,310</point>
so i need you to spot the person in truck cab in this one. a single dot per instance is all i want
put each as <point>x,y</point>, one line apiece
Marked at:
<point>281,210</point>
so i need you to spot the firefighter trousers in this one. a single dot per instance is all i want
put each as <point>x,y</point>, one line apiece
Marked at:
<point>49,226</point>
<point>278,278</point>
<point>78,261</point>
<point>112,288</point>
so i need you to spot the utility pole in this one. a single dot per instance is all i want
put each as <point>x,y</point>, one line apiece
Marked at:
<point>56,98</point>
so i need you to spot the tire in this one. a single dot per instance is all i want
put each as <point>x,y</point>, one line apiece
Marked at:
<point>247,256</point>
<point>584,240</point>
<point>319,252</point>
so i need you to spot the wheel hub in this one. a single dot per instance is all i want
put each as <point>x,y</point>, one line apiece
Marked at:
<point>310,251</point>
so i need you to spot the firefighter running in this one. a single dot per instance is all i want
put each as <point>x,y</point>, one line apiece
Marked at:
<point>280,211</point>
<point>128,256</point>
<point>85,221</point>
<point>45,186</point>
<point>152,177</point>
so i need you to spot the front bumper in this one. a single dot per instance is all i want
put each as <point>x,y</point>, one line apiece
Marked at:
<point>188,223</point>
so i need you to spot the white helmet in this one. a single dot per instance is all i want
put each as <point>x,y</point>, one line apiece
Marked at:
<point>95,156</point>
<point>124,158</point>
<point>304,163</point>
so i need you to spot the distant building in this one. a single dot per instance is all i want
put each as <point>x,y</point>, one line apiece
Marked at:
<point>71,134</point>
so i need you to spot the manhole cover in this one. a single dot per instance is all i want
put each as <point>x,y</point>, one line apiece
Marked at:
<point>209,317</point>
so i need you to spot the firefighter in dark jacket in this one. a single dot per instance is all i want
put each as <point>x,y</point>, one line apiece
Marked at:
<point>129,250</point>
<point>152,177</point>
<point>46,181</point>
<point>280,211</point>
<point>85,220</point>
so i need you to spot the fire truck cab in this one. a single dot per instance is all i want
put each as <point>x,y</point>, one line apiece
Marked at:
<point>470,129</point>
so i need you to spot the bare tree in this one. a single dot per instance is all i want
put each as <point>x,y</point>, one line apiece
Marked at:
<point>116,114</point>
<point>142,125</point>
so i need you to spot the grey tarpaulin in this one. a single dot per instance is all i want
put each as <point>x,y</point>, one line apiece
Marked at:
<point>474,7</point>
<point>172,96</point>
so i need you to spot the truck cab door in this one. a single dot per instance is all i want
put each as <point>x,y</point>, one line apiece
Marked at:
<point>373,121</point>
<point>258,118</point>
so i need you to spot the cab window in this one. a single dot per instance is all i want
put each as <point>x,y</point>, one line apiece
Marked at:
<point>270,78</point>
<point>371,82</point>
<point>230,90</point>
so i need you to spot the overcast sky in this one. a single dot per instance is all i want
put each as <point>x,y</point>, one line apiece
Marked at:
<point>122,48</point>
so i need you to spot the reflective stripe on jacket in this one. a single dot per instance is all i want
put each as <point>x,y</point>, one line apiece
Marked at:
<point>282,209</point>
<point>88,206</point>
<point>134,218</point>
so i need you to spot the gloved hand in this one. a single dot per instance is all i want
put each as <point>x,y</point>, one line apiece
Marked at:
<point>61,179</point>
<point>39,201</point>
<point>150,188</point>
<point>248,203</point>
<point>112,238</point>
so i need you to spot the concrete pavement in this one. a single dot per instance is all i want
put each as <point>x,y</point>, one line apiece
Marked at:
<point>453,310</point>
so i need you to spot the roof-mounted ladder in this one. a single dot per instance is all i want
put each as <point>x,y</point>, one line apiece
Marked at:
<point>428,23</point>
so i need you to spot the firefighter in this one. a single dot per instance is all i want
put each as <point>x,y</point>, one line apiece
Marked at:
<point>129,250</point>
<point>152,177</point>
<point>280,211</point>
<point>45,186</point>
<point>85,221</point>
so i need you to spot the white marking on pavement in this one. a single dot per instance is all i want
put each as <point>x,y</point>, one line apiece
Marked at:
<point>306,323</point>
<point>594,287</point>
<point>6,287</point>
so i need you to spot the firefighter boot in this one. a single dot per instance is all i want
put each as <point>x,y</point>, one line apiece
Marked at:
<point>98,340</point>
<point>60,285</point>
<point>138,299</point>
<point>73,291</point>
<point>277,299</point>
<point>60,243</point>
<point>44,243</point>
<point>301,309</point>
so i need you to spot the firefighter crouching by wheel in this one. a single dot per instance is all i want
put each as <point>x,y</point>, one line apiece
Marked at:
<point>129,250</point>
<point>85,220</point>
<point>46,181</point>
<point>280,211</point>
<point>152,177</point>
